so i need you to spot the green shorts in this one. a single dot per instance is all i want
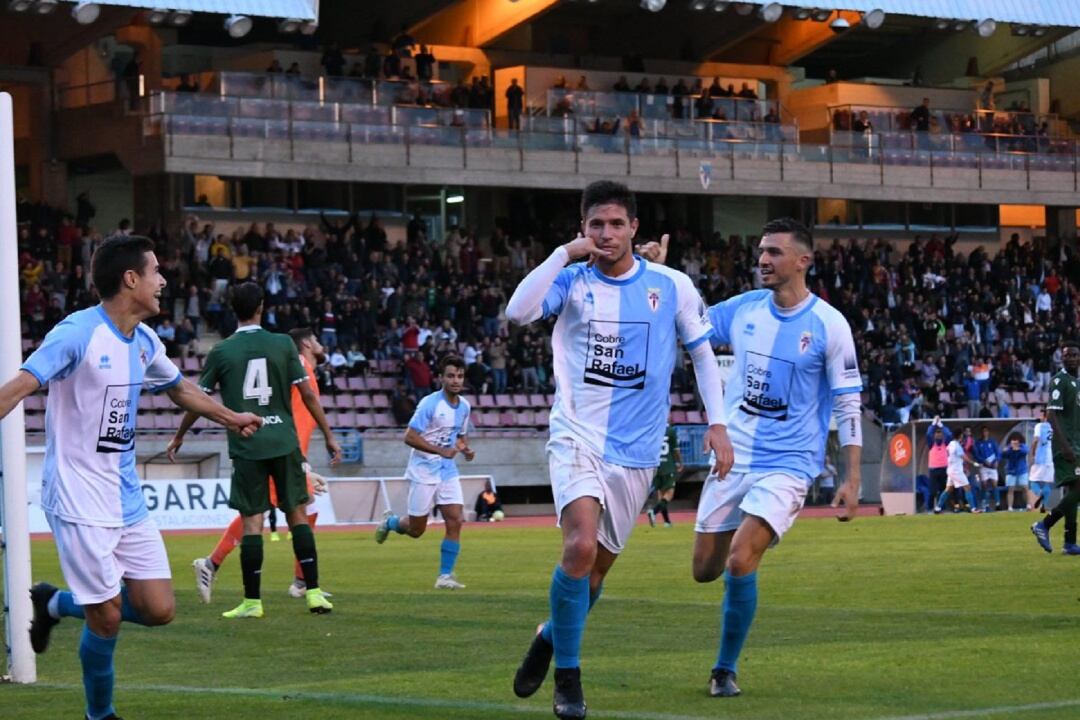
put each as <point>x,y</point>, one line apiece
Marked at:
<point>250,494</point>
<point>663,481</point>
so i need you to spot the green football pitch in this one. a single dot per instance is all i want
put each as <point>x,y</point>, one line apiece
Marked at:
<point>882,618</point>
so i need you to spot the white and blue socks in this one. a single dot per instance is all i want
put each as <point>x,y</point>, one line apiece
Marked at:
<point>569,606</point>
<point>96,654</point>
<point>740,604</point>
<point>448,554</point>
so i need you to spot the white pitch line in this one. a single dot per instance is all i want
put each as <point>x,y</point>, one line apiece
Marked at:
<point>985,712</point>
<point>360,699</point>
<point>368,700</point>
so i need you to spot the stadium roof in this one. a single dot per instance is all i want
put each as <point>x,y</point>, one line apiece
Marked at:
<point>299,9</point>
<point>1033,12</point>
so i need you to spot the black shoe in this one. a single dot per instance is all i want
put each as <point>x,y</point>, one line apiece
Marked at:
<point>42,623</point>
<point>722,684</point>
<point>569,703</point>
<point>534,667</point>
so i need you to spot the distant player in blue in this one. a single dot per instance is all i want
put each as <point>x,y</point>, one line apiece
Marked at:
<point>96,363</point>
<point>615,347</point>
<point>795,365</point>
<point>437,432</point>
<point>1015,458</point>
<point>1042,462</point>
<point>987,454</point>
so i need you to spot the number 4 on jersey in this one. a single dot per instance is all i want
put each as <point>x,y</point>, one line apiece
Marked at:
<point>257,382</point>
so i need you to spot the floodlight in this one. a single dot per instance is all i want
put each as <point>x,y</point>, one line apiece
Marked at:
<point>238,25</point>
<point>986,27</point>
<point>771,12</point>
<point>85,12</point>
<point>874,19</point>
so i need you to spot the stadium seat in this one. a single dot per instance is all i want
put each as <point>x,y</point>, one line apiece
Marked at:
<point>345,401</point>
<point>677,417</point>
<point>484,401</point>
<point>946,397</point>
<point>365,420</point>
<point>519,400</point>
<point>328,401</point>
<point>191,365</point>
<point>537,401</point>
<point>695,417</point>
<point>543,418</point>
<point>347,419</point>
<point>503,401</point>
<point>362,401</point>
<point>380,401</point>
<point>962,412</point>
<point>385,420</point>
<point>525,418</point>
<point>34,403</point>
<point>161,401</point>
<point>35,423</point>
<point>356,384</point>
<point>507,419</point>
<point>341,384</point>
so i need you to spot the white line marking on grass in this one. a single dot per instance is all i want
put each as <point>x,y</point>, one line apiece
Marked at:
<point>367,700</point>
<point>359,699</point>
<point>984,712</point>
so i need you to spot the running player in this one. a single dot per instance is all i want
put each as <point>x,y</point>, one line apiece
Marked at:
<point>615,346</point>
<point>96,362</point>
<point>256,370</point>
<point>1064,415</point>
<point>666,475</point>
<point>437,432</point>
<point>311,353</point>
<point>795,363</point>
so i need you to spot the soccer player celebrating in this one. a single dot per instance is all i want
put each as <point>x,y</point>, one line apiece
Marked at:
<point>1063,411</point>
<point>795,364</point>
<point>956,477</point>
<point>311,354</point>
<point>256,370</point>
<point>437,432</point>
<point>614,342</point>
<point>96,362</point>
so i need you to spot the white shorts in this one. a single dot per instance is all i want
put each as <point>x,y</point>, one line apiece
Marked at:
<point>988,474</point>
<point>1042,473</point>
<point>424,496</point>
<point>95,559</point>
<point>957,480</point>
<point>577,472</point>
<point>774,497</point>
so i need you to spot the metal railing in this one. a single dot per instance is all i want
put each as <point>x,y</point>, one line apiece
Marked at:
<point>887,118</point>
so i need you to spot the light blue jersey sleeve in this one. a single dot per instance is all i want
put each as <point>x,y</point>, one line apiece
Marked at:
<point>465,413</point>
<point>722,315</point>
<point>421,419</point>
<point>61,351</point>
<point>560,289</point>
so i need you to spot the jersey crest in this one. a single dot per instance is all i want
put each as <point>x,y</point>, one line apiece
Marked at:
<point>654,299</point>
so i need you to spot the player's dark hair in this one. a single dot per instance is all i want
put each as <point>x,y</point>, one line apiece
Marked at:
<point>799,232</point>
<point>451,361</point>
<point>116,256</point>
<point>300,334</point>
<point>247,297</point>
<point>604,192</point>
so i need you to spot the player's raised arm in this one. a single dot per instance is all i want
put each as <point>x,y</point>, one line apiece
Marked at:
<point>531,300</point>
<point>189,397</point>
<point>654,251</point>
<point>15,390</point>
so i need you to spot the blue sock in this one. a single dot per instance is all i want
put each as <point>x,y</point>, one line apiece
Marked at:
<point>448,553</point>
<point>970,499</point>
<point>569,606</point>
<point>66,607</point>
<point>96,654</point>
<point>128,613</point>
<point>545,632</point>
<point>942,498</point>
<point>740,604</point>
<point>394,524</point>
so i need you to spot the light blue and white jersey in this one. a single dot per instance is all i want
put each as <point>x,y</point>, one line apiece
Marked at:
<point>956,458</point>
<point>440,423</point>
<point>615,347</point>
<point>1044,454</point>
<point>787,370</point>
<point>95,375</point>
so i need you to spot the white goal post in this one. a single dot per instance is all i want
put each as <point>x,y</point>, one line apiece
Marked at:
<point>21,664</point>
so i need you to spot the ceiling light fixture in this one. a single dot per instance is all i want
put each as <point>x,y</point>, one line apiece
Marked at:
<point>874,19</point>
<point>820,15</point>
<point>180,18</point>
<point>771,12</point>
<point>986,27</point>
<point>85,12</point>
